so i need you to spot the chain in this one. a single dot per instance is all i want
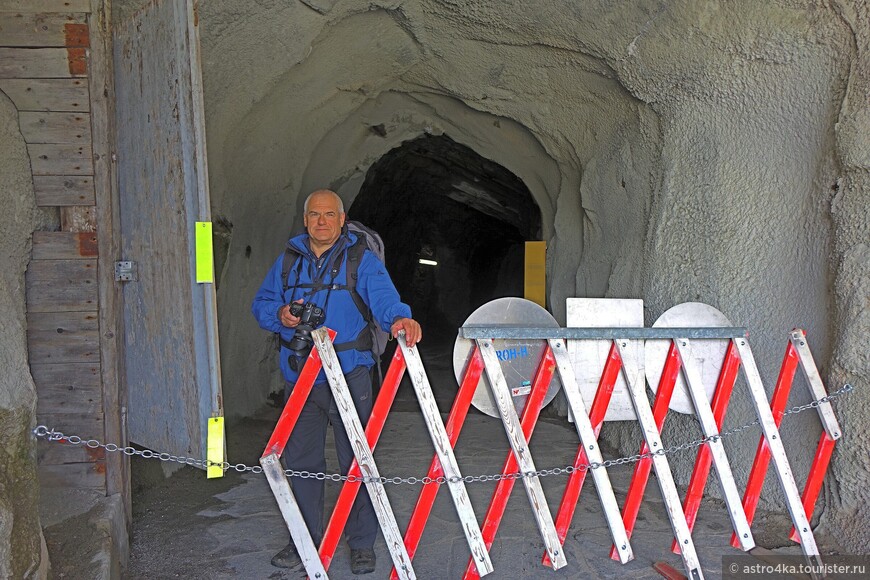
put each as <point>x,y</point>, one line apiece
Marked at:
<point>52,435</point>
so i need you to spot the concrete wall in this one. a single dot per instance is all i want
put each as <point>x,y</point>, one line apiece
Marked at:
<point>22,547</point>
<point>679,151</point>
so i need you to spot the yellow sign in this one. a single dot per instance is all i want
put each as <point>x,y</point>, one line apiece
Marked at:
<point>215,448</point>
<point>204,254</point>
<point>535,286</point>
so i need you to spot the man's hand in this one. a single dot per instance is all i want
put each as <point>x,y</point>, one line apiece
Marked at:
<point>413,332</point>
<point>286,318</point>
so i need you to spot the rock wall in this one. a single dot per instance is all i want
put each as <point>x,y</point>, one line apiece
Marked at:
<point>22,547</point>
<point>679,151</point>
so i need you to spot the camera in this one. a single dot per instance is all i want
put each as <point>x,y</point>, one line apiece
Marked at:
<point>310,316</point>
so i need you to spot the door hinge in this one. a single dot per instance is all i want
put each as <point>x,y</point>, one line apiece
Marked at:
<point>125,271</point>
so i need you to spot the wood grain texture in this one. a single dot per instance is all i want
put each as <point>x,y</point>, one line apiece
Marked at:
<point>64,245</point>
<point>60,159</point>
<point>64,190</point>
<point>63,337</point>
<point>62,286</point>
<point>45,6</point>
<point>40,30</point>
<point>53,127</point>
<point>42,63</point>
<point>70,94</point>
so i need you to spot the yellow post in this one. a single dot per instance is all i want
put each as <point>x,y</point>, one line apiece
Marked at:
<point>535,287</point>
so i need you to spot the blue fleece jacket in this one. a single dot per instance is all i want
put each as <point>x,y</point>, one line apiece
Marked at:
<point>342,315</point>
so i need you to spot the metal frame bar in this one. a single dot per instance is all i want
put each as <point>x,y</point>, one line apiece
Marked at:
<point>455,422</point>
<point>721,398</point>
<point>612,333</point>
<point>374,428</point>
<point>292,516</point>
<point>640,474</point>
<point>503,489</point>
<point>643,412</point>
<point>363,453</point>
<point>444,450</point>
<point>710,428</point>
<point>769,421</point>
<point>574,485</point>
<point>589,440</point>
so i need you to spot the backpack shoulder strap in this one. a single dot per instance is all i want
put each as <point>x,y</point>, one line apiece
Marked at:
<point>290,258</point>
<point>354,257</point>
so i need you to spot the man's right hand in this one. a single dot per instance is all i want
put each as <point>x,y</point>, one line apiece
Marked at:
<point>286,318</point>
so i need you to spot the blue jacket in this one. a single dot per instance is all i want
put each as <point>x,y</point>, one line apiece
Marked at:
<point>342,315</point>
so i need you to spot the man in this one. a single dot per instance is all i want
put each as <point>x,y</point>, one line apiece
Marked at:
<point>318,276</point>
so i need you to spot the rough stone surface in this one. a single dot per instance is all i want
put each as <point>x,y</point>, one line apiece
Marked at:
<point>679,151</point>
<point>22,548</point>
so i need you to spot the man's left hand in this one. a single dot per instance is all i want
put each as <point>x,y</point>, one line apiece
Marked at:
<point>413,332</point>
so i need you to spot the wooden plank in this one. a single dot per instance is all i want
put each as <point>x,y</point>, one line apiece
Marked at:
<point>73,475</point>
<point>42,63</point>
<point>40,30</point>
<point>45,5</point>
<point>110,307</point>
<point>61,286</point>
<point>60,159</point>
<point>64,245</point>
<point>63,337</point>
<point>77,218</point>
<point>64,190</point>
<point>52,127</point>
<point>48,94</point>
<point>68,388</point>
<point>52,453</point>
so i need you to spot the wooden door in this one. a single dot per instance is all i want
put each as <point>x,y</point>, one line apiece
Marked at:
<point>172,360</point>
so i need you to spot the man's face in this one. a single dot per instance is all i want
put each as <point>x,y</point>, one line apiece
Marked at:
<point>324,220</point>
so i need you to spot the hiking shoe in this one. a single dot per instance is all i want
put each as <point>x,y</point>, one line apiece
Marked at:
<point>286,558</point>
<point>362,561</point>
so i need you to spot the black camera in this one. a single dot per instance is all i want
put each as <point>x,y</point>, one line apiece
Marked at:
<point>310,316</point>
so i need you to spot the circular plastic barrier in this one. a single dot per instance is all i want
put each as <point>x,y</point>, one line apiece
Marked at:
<point>707,355</point>
<point>519,359</point>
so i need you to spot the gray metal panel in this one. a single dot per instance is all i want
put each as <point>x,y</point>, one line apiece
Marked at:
<point>493,331</point>
<point>171,352</point>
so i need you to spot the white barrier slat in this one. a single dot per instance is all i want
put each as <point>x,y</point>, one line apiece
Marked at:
<point>704,413</point>
<point>363,453</point>
<point>292,516</point>
<point>514,430</point>
<point>593,453</point>
<point>777,451</point>
<point>643,411</point>
<point>444,449</point>
<point>815,384</point>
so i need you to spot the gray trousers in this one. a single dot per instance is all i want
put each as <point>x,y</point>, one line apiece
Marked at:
<point>306,449</point>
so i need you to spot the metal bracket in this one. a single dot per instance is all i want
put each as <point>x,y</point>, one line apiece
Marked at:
<point>125,271</point>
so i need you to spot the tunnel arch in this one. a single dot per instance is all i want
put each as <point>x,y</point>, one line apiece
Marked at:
<point>436,200</point>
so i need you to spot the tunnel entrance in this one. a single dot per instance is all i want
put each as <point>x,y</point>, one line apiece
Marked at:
<point>454,226</point>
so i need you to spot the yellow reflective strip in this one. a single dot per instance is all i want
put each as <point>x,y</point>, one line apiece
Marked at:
<point>215,447</point>
<point>204,255</point>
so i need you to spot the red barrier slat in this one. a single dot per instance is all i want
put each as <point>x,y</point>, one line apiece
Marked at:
<point>502,492</point>
<point>574,485</point>
<point>293,407</point>
<point>762,455</point>
<point>704,459</point>
<point>455,421</point>
<point>640,476</point>
<point>374,428</point>
<point>817,475</point>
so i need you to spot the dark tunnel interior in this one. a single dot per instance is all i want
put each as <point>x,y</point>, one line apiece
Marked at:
<point>434,199</point>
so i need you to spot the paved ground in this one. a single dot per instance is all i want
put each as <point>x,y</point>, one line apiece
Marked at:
<point>191,527</point>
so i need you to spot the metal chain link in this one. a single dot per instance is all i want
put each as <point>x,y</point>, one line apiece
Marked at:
<point>53,435</point>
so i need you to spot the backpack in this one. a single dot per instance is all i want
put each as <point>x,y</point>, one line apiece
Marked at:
<point>372,337</point>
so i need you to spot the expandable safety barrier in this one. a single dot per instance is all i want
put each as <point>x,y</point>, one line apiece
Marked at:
<point>620,361</point>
